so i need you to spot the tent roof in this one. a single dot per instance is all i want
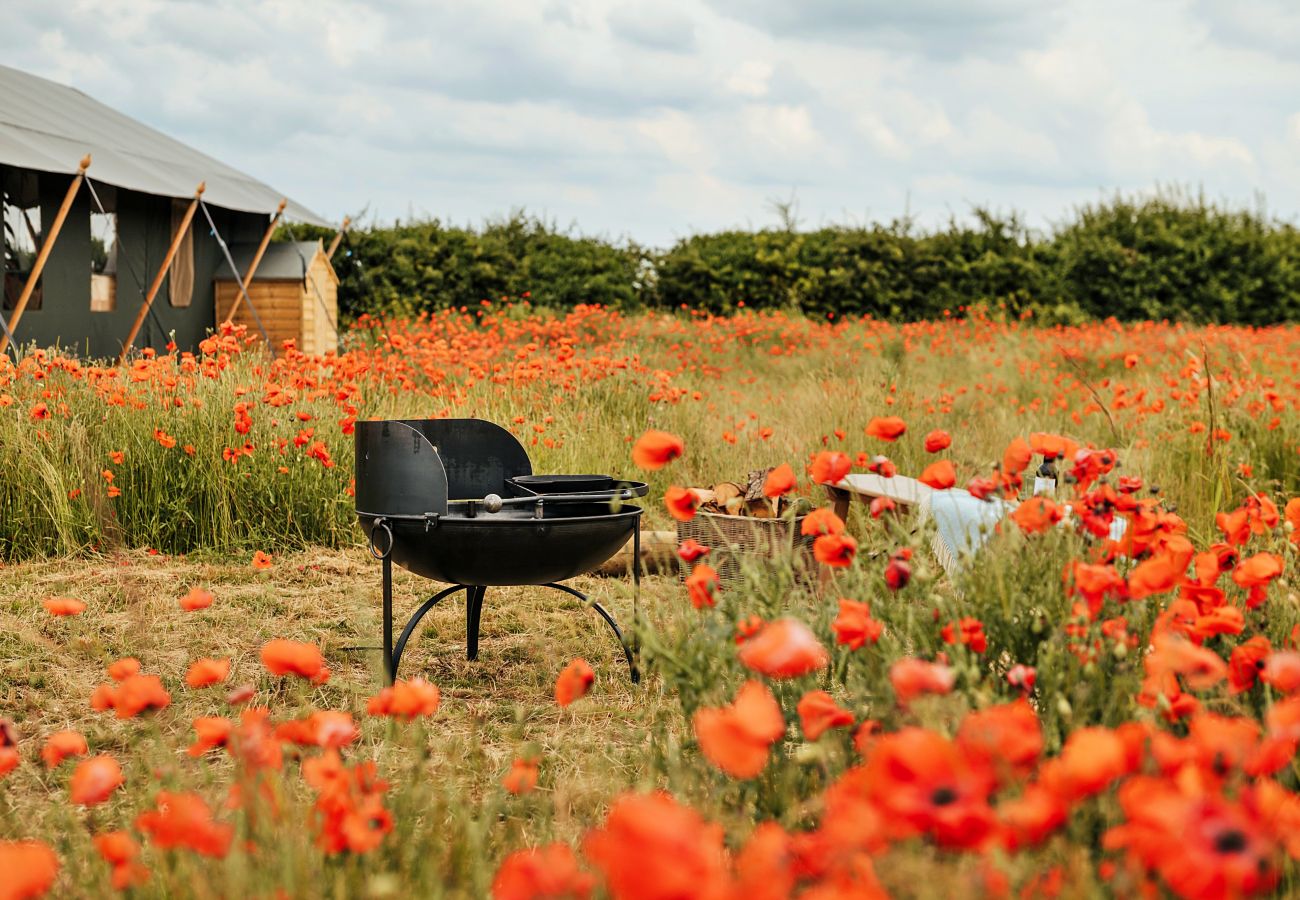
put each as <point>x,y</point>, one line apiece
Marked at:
<point>283,261</point>
<point>49,127</point>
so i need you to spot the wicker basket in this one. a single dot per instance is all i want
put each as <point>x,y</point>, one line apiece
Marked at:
<point>735,540</point>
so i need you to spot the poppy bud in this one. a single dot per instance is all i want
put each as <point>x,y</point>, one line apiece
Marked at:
<point>897,574</point>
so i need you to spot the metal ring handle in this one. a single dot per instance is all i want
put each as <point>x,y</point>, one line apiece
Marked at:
<point>380,523</point>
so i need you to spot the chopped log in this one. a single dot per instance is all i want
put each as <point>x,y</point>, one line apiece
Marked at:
<point>658,555</point>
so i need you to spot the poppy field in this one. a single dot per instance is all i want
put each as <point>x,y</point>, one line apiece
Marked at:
<point>191,705</point>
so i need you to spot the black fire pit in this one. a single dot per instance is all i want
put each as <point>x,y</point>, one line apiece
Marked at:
<point>455,500</point>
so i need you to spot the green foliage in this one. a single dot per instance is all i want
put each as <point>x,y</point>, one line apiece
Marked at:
<point>1171,255</point>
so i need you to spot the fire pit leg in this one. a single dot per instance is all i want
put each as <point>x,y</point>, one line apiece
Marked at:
<point>473,615</point>
<point>609,620</point>
<point>396,653</point>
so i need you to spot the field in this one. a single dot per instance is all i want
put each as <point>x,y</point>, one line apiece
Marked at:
<point>1065,716</point>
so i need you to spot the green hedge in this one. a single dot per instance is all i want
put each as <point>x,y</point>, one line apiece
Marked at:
<point>1174,255</point>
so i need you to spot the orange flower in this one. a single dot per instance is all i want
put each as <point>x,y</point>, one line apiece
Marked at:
<point>854,626</point>
<point>1246,662</point>
<point>818,713</point>
<point>912,677</point>
<point>785,648</point>
<point>211,733</point>
<point>1091,760</point>
<point>94,780</point>
<point>1031,818</point>
<point>702,586</point>
<point>120,850</point>
<point>1157,575</point>
<point>184,820</point>
<point>543,873</point>
<point>656,449</point>
<point>653,833</point>
<point>1016,458</point>
<point>1282,671</point>
<point>939,475</point>
<point>829,467</point>
<point>29,868</point>
<point>1005,736</point>
<point>681,503</point>
<point>1293,518</point>
<point>886,428</point>
<point>522,777</point>
<point>779,481</point>
<point>690,550</point>
<point>124,668</point>
<point>205,672</point>
<point>738,738</point>
<point>62,744</point>
<point>821,521</point>
<point>574,682</point>
<point>262,561</point>
<point>1255,573</point>
<point>1036,515</point>
<point>132,696</point>
<point>406,700</point>
<point>197,598</point>
<point>925,784</point>
<point>63,606</point>
<point>323,728</point>
<point>937,441</point>
<point>284,657</point>
<point>835,549</point>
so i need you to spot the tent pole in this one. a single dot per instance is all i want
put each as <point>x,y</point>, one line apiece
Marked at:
<point>162,272</point>
<point>257,257</point>
<point>44,254</point>
<point>338,237</point>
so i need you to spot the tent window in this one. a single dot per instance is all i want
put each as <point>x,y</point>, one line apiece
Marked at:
<point>103,262</point>
<point>181,280</point>
<point>22,238</point>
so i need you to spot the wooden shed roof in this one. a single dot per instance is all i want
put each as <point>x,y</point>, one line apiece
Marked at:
<point>283,261</point>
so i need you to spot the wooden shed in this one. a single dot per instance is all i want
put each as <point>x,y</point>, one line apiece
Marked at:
<point>294,294</point>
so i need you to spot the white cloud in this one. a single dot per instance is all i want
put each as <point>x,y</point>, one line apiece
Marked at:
<point>656,117</point>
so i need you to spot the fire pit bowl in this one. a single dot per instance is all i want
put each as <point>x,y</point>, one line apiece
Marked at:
<point>455,500</point>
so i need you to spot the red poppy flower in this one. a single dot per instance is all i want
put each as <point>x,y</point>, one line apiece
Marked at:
<point>829,467</point>
<point>574,682</point>
<point>854,626</point>
<point>323,728</point>
<point>1090,761</point>
<point>262,561</point>
<point>703,585</point>
<point>939,475</point>
<point>818,713</point>
<point>184,820</point>
<point>197,598</point>
<point>121,669</point>
<point>284,657</point>
<point>204,672</point>
<point>29,867</point>
<point>690,550</point>
<point>1282,671</point>
<point>821,521</point>
<point>406,700</point>
<point>1246,662</point>
<point>1031,818</point>
<point>653,833</point>
<point>522,777</point>
<point>542,873</point>
<point>132,696</point>
<point>63,606</point>
<point>656,449</point>
<point>835,549</point>
<point>897,573</point>
<point>1007,737</point>
<point>886,428</point>
<point>1293,518</point>
<point>937,441</point>
<point>1036,515</point>
<point>969,632</point>
<point>779,481</point>
<point>1017,457</point>
<point>912,677</point>
<point>1255,573</point>
<point>94,780</point>
<point>926,785</point>
<point>211,733</point>
<point>61,745</point>
<point>681,503</point>
<point>738,738</point>
<point>119,850</point>
<point>785,648</point>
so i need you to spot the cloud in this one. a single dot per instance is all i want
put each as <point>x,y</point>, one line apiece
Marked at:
<point>653,118</point>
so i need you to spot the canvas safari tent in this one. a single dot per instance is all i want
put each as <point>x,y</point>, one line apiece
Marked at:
<point>109,213</point>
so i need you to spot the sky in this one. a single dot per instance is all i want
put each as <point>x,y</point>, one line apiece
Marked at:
<point>652,120</point>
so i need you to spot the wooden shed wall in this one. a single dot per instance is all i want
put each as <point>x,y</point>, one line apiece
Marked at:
<point>320,314</point>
